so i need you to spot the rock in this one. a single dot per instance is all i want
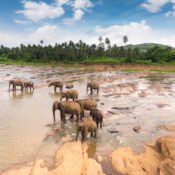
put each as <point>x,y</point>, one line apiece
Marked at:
<point>167,127</point>
<point>111,112</point>
<point>167,167</point>
<point>157,159</point>
<point>121,108</point>
<point>162,105</point>
<point>102,103</point>
<point>99,159</point>
<point>137,129</point>
<point>70,159</point>
<point>69,86</point>
<point>112,130</point>
<point>142,94</point>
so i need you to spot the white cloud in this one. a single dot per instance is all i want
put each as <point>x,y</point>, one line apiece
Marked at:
<point>22,22</point>
<point>77,16</point>
<point>137,32</point>
<point>79,9</point>
<point>36,11</point>
<point>82,4</point>
<point>154,6</point>
<point>62,2</point>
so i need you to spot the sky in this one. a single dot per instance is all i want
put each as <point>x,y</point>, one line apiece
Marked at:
<point>55,21</point>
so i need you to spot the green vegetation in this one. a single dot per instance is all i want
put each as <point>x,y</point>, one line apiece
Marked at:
<point>81,52</point>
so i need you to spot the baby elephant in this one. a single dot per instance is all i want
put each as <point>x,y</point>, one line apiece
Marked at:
<point>56,84</point>
<point>16,83</point>
<point>93,85</point>
<point>70,94</point>
<point>97,116</point>
<point>85,126</point>
<point>28,85</point>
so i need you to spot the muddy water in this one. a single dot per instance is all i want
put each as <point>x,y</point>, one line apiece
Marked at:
<point>127,100</point>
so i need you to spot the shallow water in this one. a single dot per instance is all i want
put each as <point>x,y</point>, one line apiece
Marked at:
<point>24,117</point>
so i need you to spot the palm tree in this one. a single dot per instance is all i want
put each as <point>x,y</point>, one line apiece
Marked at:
<point>125,39</point>
<point>41,42</point>
<point>100,39</point>
<point>108,42</point>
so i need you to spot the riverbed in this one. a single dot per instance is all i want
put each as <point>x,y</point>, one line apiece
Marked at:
<point>134,104</point>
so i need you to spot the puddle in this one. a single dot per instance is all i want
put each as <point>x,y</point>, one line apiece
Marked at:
<point>26,130</point>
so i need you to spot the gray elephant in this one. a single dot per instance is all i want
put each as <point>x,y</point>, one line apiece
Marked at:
<point>66,107</point>
<point>97,116</point>
<point>16,83</point>
<point>28,85</point>
<point>56,84</point>
<point>87,104</point>
<point>70,94</point>
<point>85,126</point>
<point>93,85</point>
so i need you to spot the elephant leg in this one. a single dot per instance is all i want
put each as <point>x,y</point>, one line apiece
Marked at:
<point>95,133</point>
<point>77,134</point>
<point>98,91</point>
<point>91,133</point>
<point>55,88</point>
<point>63,117</point>
<point>61,89</point>
<point>97,123</point>
<point>72,116</point>
<point>77,118</point>
<point>91,90</point>
<point>54,116</point>
<point>101,124</point>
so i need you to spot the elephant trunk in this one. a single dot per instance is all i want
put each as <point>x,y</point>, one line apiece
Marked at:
<point>53,111</point>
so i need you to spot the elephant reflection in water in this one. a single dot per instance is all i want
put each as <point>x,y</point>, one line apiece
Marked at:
<point>19,95</point>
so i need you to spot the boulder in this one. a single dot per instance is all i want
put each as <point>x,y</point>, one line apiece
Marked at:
<point>70,159</point>
<point>157,159</point>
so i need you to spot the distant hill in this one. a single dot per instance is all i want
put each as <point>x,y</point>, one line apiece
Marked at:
<point>145,46</point>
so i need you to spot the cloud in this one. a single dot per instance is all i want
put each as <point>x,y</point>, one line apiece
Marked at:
<point>137,32</point>
<point>154,6</point>
<point>171,13</point>
<point>37,11</point>
<point>77,16</point>
<point>21,22</point>
<point>62,2</point>
<point>79,9</point>
<point>82,4</point>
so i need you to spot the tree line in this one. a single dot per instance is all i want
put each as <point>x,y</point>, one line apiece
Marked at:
<point>83,52</point>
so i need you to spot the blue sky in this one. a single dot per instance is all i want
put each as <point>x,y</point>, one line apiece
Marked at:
<point>29,21</point>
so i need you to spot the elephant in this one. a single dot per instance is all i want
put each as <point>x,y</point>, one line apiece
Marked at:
<point>28,84</point>
<point>87,104</point>
<point>93,85</point>
<point>66,107</point>
<point>56,84</point>
<point>85,126</point>
<point>97,116</point>
<point>16,83</point>
<point>70,94</point>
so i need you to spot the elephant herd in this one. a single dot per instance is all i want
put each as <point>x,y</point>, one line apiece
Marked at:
<point>72,106</point>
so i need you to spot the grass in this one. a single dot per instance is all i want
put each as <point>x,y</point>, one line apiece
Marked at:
<point>130,67</point>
